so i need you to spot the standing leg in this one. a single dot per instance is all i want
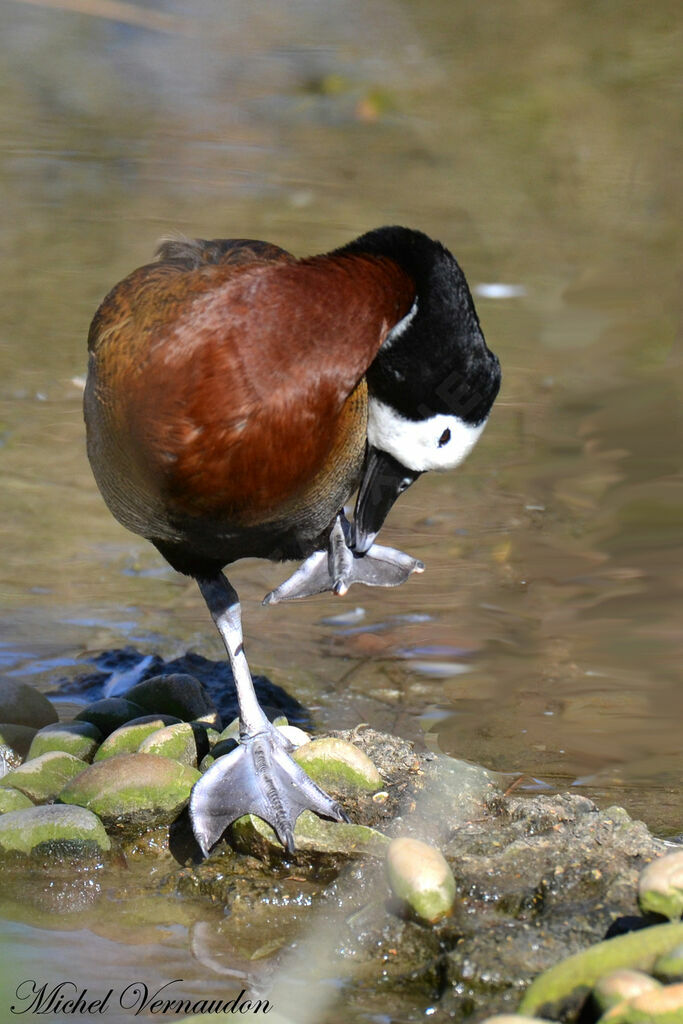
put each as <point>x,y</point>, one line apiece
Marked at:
<point>258,777</point>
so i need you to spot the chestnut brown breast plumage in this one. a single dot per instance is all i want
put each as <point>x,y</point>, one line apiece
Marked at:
<point>226,405</point>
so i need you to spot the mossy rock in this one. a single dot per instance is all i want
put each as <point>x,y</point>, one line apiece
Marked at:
<point>54,830</point>
<point>128,737</point>
<point>13,800</point>
<point>338,766</point>
<point>80,739</point>
<point>133,791</point>
<point>44,777</point>
<point>250,834</point>
<point>420,876</point>
<point>660,886</point>
<point>185,742</point>
<point>177,694</point>
<point>21,704</point>
<point>110,713</point>
<point>17,739</point>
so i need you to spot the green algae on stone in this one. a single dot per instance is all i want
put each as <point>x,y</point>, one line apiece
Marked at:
<point>133,790</point>
<point>110,713</point>
<point>80,739</point>
<point>638,949</point>
<point>179,742</point>
<point>17,739</point>
<point>661,1006</point>
<point>250,834</point>
<point>615,987</point>
<point>178,694</point>
<point>54,829</point>
<point>660,886</point>
<point>669,966</point>
<point>128,737</point>
<point>44,777</point>
<point>13,800</point>
<point>338,766</point>
<point>21,704</point>
<point>420,876</point>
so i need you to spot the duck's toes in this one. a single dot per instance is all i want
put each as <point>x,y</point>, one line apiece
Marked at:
<point>379,567</point>
<point>258,777</point>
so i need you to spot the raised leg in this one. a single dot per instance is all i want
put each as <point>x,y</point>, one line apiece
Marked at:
<point>340,566</point>
<point>258,777</point>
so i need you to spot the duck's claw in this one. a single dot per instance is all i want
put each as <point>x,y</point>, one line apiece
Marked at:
<point>257,777</point>
<point>340,567</point>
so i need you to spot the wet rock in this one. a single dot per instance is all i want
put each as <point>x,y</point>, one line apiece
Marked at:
<point>662,1006</point>
<point>13,800</point>
<point>421,878</point>
<point>511,1018</point>
<point>660,887</point>
<point>9,759</point>
<point>44,777</point>
<point>570,978</point>
<point>21,704</point>
<point>110,713</point>
<point>15,740</point>
<point>296,736</point>
<point>616,986</point>
<point>312,835</point>
<point>180,695</point>
<point>185,742</point>
<point>80,739</point>
<point>231,731</point>
<point>133,791</point>
<point>215,677</point>
<point>128,737</point>
<point>219,749</point>
<point>338,766</point>
<point>669,966</point>
<point>55,831</point>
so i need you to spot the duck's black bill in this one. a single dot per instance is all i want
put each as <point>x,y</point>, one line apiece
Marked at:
<point>384,478</point>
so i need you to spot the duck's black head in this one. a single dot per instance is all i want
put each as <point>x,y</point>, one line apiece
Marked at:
<point>433,381</point>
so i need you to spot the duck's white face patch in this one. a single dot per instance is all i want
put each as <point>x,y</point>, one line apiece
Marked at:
<point>440,442</point>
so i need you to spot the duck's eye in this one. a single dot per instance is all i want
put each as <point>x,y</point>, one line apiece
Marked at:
<point>445,438</point>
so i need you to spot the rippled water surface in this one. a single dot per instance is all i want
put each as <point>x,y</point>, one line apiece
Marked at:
<point>540,143</point>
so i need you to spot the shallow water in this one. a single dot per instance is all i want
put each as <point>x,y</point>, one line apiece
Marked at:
<point>544,639</point>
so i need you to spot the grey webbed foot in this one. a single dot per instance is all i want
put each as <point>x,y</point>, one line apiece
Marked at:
<point>340,566</point>
<point>258,777</point>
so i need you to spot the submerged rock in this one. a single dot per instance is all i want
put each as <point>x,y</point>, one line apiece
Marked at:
<point>110,713</point>
<point>44,777</point>
<point>133,791</point>
<point>21,704</point>
<point>55,831</point>
<point>80,739</point>
<point>128,737</point>
<point>180,695</point>
<point>312,835</point>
